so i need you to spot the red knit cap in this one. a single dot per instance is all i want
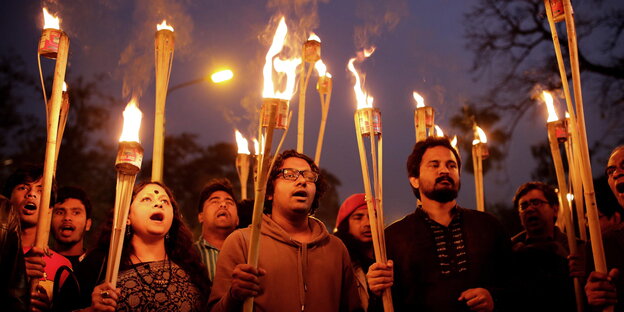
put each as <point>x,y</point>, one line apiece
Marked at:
<point>350,204</point>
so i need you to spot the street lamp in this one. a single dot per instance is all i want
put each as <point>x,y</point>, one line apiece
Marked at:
<point>217,77</point>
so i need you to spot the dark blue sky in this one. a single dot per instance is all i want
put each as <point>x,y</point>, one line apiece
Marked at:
<point>420,46</point>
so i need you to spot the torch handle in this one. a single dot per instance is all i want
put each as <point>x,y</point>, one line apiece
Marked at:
<point>164,48</point>
<point>321,135</point>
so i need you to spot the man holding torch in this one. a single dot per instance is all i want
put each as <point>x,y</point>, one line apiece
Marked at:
<point>301,267</point>
<point>602,289</point>
<point>446,258</point>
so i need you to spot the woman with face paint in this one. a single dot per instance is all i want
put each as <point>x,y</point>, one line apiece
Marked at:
<point>159,268</point>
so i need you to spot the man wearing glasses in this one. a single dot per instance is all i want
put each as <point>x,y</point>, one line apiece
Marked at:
<point>540,253</point>
<point>301,267</point>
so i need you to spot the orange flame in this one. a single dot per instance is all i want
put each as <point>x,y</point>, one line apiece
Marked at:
<point>420,101</point>
<point>479,136</point>
<point>314,37</point>
<point>287,67</point>
<point>552,114</point>
<point>438,131</point>
<point>64,86</point>
<point>163,25</point>
<point>362,98</point>
<point>132,123</point>
<point>241,142</point>
<point>50,21</point>
<point>321,68</point>
<point>454,142</point>
<point>256,146</point>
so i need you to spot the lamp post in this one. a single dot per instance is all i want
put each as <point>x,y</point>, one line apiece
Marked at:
<point>217,77</point>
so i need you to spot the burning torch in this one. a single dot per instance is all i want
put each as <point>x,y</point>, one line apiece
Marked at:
<point>274,114</point>
<point>368,124</point>
<point>423,118</point>
<point>242,162</point>
<point>53,44</point>
<point>311,54</point>
<point>324,87</point>
<point>557,133</point>
<point>479,152</point>
<point>127,164</point>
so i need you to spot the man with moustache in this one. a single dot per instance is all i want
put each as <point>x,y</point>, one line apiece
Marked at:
<point>540,253</point>
<point>442,257</point>
<point>218,217</point>
<point>301,267</point>
<point>607,289</point>
<point>71,219</point>
<point>23,188</point>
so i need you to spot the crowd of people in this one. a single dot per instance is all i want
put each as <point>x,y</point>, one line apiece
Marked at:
<point>442,256</point>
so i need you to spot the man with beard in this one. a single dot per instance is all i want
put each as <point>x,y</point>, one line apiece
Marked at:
<point>606,289</point>
<point>218,217</point>
<point>23,188</point>
<point>301,267</point>
<point>442,257</point>
<point>353,228</point>
<point>540,253</point>
<point>71,219</point>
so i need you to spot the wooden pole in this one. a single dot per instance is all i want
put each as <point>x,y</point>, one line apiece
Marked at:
<point>164,47</point>
<point>563,191</point>
<point>45,211</point>
<point>324,87</point>
<point>373,203</point>
<point>268,122</point>
<point>477,165</point>
<point>577,187</point>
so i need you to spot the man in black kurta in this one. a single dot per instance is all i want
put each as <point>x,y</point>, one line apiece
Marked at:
<point>444,257</point>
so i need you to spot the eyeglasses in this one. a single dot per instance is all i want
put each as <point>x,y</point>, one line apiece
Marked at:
<point>293,174</point>
<point>532,203</point>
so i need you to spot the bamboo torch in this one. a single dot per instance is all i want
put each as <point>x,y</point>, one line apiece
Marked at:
<point>423,118</point>
<point>256,159</point>
<point>164,46</point>
<point>576,182</point>
<point>557,133</point>
<point>311,52</point>
<point>127,164</point>
<point>62,122</point>
<point>242,162</point>
<point>577,126</point>
<point>368,124</point>
<point>479,152</point>
<point>274,114</point>
<point>324,88</point>
<point>54,44</point>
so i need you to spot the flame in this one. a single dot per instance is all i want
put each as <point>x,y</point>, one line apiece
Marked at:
<point>50,21</point>
<point>328,75</point>
<point>64,86</point>
<point>454,142</point>
<point>222,76</point>
<point>314,37</point>
<point>552,115</point>
<point>287,67</point>
<point>570,197</point>
<point>320,68</point>
<point>479,136</point>
<point>438,131</point>
<point>420,102</point>
<point>256,146</point>
<point>241,142</point>
<point>567,115</point>
<point>132,123</point>
<point>362,98</point>
<point>163,25</point>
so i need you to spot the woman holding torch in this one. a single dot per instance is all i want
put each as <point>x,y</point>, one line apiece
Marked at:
<point>159,270</point>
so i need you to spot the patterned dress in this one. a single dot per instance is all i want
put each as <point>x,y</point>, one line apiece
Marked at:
<point>157,286</point>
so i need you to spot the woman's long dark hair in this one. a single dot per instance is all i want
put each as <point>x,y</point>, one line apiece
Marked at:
<point>358,251</point>
<point>179,245</point>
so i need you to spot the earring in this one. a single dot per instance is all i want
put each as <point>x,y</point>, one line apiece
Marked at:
<point>128,230</point>
<point>167,236</point>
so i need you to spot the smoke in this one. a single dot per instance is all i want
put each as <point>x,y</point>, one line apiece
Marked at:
<point>379,16</point>
<point>136,61</point>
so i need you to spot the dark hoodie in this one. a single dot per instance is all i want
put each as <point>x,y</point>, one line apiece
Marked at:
<point>316,276</point>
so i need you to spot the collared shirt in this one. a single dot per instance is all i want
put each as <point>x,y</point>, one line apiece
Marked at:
<point>209,255</point>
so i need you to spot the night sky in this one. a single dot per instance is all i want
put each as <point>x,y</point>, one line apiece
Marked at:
<point>420,46</point>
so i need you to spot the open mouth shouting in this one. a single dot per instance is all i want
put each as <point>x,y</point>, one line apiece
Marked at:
<point>157,216</point>
<point>29,209</point>
<point>223,213</point>
<point>620,187</point>
<point>67,229</point>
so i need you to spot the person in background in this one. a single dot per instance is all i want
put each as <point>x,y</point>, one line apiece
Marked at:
<point>353,228</point>
<point>71,220</point>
